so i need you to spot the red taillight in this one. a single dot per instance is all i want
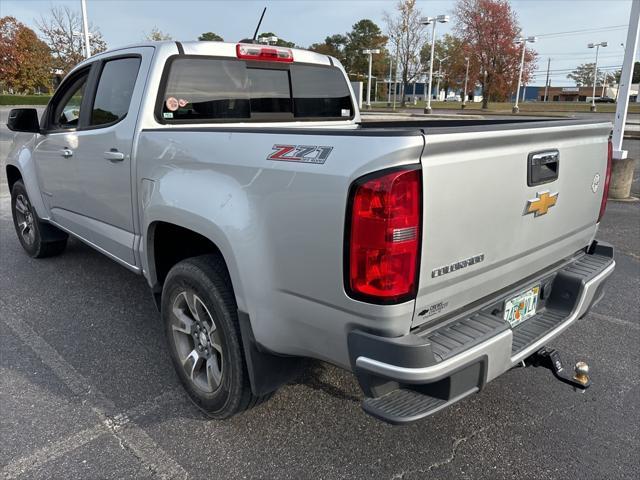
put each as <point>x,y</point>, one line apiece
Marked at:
<point>383,236</point>
<point>264,53</point>
<point>607,179</point>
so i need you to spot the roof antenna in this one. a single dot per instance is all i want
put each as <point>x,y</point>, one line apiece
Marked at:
<point>253,40</point>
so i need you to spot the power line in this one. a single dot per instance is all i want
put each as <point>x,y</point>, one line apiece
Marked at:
<point>585,30</point>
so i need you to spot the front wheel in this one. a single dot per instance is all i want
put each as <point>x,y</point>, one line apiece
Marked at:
<point>200,320</point>
<point>39,239</point>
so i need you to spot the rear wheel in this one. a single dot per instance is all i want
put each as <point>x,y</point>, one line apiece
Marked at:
<point>201,325</point>
<point>39,239</point>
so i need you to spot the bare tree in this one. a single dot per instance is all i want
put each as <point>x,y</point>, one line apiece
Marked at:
<point>407,35</point>
<point>157,35</point>
<point>61,31</point>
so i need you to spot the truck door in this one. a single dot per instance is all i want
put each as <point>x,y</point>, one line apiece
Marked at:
<point>104,214</point>
<point>54,151</point>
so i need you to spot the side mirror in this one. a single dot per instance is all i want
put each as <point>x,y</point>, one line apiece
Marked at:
<point>23,120</point>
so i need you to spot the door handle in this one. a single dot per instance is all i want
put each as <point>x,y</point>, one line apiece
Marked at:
<point>66,152</point>
<point>114,155</point>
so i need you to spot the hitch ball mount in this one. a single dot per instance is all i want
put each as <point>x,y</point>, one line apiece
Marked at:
<point>550,358</point>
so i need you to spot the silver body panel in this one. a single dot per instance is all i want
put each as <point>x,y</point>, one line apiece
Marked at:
<point>280,225</point>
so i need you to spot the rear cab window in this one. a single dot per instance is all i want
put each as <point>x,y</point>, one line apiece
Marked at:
<point>197,89</point>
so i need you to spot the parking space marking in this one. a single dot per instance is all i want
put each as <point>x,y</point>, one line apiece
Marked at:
<point>132,438</point>
<point>618,321</point>
<point>112,425</point>
<point>44,455</point>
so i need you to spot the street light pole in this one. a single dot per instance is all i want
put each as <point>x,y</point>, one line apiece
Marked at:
<point>466,79</point>
<point>370,52</point>
<point>85,28</point>
<point>595,73</point>
<point>524,41</point>
<point>432,21</point>
<point>395,78</point>
<point>440,60</point>
<point>390,74</point>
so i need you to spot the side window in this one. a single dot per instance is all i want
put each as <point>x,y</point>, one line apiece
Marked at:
<point>66,113</point>
<point>114,91</point>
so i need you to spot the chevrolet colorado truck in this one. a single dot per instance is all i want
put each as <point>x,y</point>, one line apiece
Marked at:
<point>426,257</point>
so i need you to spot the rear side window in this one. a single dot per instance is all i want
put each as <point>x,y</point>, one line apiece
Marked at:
<point>114,91</point>
<point>201,89</point>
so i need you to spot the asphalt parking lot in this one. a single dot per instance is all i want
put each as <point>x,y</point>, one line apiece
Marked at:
<point>87,391</point>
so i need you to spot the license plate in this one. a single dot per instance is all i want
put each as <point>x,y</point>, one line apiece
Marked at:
<point>521,307</point>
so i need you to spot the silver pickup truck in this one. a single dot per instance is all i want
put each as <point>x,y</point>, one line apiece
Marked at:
<point>426,257</point>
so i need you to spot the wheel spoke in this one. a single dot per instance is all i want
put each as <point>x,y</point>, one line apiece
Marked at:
<point>215,341</point>
<point>208,320</point>
<point>21,206</point>
<point>192,363</point>
<point>184,323</point>
<point>214,372</point>
<point>191,303</point>
<point>24,226</point>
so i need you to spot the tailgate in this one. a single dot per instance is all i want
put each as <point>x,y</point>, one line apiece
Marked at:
<point>477,235</point>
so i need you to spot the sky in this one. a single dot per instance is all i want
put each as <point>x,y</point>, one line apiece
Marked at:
<point>309,21</point>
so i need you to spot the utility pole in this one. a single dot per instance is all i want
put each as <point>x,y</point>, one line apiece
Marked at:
<point>595,72</point>
<point>524,41</point>
<point>466,79</point>
<point>625,82</point>
<point>85,28</point>
<point>546,84</point>
<point>370,52</point>
<point>432,21</point>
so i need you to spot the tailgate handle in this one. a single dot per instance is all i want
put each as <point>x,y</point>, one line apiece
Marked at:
<point>543,167</point>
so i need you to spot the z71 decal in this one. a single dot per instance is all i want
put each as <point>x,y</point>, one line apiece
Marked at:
<point>300,153</point>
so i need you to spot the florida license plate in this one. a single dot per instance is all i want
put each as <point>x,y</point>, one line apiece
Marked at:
<point>521,307</point>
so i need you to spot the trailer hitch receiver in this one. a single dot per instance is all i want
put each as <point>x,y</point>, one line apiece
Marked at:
<point>550,358</point>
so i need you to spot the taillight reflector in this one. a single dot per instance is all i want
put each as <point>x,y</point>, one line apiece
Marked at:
<point>264,53</point>
<point>383,232</point>
<point>607,180</point>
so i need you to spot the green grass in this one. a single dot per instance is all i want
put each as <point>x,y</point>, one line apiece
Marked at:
<point>24,99</point>
<point>528,107</point>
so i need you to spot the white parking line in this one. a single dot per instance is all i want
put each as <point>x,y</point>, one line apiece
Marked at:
<point>51,452</point>
<point>130,436</point>
<point>114,425</point>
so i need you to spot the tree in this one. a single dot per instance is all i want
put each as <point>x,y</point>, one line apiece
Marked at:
<point>333,45</point>
<point>365,34</point>
<point>157,35</point>
<point>280,43</point>
<point>583,75</point>
<point>407,37</point>
<point>210,37</point>
<point>635,77</point>
<point>60,30</point>
<point>453,51</point>
<point>26,60</point>
<point>489,28</point>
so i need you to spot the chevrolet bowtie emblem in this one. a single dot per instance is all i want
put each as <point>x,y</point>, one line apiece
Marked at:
<point>541,205</point>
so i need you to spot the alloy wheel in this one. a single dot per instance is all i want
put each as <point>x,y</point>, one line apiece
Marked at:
<point>25,219</point>
<point>197,341</point>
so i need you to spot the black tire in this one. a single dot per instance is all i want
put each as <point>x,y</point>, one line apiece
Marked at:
<point>39,239</point>
<point>202,284</point>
